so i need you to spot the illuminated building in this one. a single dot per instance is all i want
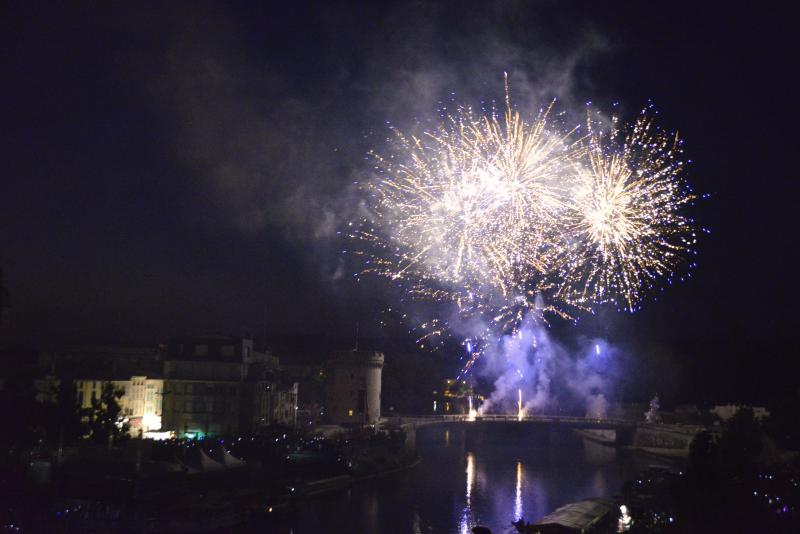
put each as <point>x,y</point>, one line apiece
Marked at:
<point>134,371</point>
<point>353,388</point>
<point>141,401</point>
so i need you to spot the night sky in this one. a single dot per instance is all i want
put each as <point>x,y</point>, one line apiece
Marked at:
<point>183,168</point>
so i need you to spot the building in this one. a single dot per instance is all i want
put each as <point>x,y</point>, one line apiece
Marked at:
<point>221,385</point>
<point>141,402</point>
<point>353,388</point>
<point>271,401</point>
<point>102,362</point>
<point>135,371</point>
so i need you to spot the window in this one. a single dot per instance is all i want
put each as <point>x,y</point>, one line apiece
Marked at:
<point>149,394</point>
<point>228,351</point>
<point>189,388</point>
<point>201,349</point>
<point>350,413</point>
<point>188,407</point>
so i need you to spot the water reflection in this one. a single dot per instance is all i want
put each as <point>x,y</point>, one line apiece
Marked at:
<point>466,515</point>
<point>472,475</point>
<point>518,494</point>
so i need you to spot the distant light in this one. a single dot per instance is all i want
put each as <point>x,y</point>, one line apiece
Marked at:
<point>597,349</point>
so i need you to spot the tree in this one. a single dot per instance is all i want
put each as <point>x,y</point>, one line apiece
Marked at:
<point>64,418</point>
<point>19,417</point>
<point>703,458</point>
<point>741,442</point>
<point>105,416</point>
<point>784,420</point>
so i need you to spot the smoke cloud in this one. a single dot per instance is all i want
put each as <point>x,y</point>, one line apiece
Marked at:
<point>552,378</point>
<point>272,133</point>
<point>272,144</point>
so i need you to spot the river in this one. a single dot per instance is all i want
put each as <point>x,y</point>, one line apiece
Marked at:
<point>471,476</point>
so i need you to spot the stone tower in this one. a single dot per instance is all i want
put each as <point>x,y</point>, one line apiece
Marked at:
<point>353,389</point>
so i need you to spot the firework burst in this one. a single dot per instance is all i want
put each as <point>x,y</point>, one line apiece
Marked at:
<point>467,213</point>
<point>626,230</point>
<point>503,217</point>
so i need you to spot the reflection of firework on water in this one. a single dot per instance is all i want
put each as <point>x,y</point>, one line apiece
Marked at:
<point>625,230</point>
<point>502,217</point>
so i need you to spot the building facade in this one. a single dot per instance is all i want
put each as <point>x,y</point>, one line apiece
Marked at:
<point>141,402</point>
<point>136,371</point>
<point>353,388</point>
<point>191,387</point>
<point>220,385</point>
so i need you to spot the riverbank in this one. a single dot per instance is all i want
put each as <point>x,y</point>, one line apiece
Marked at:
<point>194,486</point>
<point>662,441</point>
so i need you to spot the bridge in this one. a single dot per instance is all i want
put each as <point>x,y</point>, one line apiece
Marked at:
<point>615,431</point>
<point>670,439</point>
<point>549,420</point>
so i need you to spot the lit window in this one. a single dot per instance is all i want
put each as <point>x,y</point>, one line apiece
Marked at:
<point>350,413</point>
